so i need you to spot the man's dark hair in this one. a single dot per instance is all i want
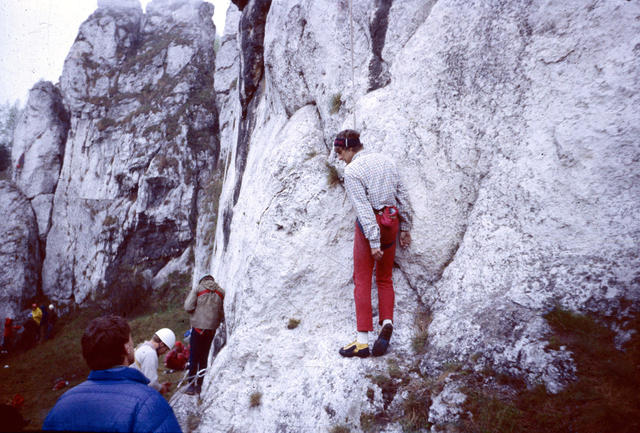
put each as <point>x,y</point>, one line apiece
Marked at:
<point>349,136</point>
<point>103,342</point>
<point>207,278</point>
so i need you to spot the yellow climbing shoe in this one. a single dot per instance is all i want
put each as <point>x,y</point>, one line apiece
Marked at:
<point>355,349</point>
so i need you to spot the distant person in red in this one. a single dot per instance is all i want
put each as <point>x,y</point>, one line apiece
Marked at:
<point>20,163</point>
<point>178,357</point>
<point>7,339</point>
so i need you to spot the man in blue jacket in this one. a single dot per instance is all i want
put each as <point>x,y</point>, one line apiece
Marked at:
<point>114,398</point>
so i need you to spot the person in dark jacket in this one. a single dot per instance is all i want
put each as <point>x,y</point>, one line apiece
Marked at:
<point>115,398</point>
<point>51,322</point>
<point>205,305</point>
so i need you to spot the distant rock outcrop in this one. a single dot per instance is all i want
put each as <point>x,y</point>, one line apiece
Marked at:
<point>19,252</point>
<point>142,150</point>
<point>38,147</point>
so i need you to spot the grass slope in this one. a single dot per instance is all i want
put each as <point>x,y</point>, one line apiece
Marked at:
<point>33,373</point>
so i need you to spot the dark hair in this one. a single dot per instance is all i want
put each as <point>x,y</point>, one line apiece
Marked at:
<point>206,278</point>
<point>103,342</point>
<point>350,135</point>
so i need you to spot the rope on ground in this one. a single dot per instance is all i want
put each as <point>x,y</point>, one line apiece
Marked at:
<point>185,382</point>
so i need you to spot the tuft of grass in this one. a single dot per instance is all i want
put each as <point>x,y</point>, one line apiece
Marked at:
<point>388,386</point>
<point>335,103</point>
<point>491,414</point>
<point>368,422</point>
<point>105,122</point>
<point>393,369</point>
<point>109,220</point>
<point>370,394</point>
<point>333,178</point>
<point>421,337</point>
<point>416,408</point>
<point>310,155</point>
<point>293,323</point>
<point>340,429</point>
<point>255,399</point>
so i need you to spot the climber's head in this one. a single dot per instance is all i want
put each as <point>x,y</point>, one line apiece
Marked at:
<point>347,144</point>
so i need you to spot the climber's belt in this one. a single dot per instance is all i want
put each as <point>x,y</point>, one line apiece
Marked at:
<point>393,212</point>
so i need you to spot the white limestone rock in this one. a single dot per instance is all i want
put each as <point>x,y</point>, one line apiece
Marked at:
<point>143,123</point>
<point>38,147</point>
<point>19,252</point>
<point>515,126</point>
<point>445,407</point>
<point>551,224</point>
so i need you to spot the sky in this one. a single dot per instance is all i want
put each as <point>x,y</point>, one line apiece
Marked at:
<point>36,35</point>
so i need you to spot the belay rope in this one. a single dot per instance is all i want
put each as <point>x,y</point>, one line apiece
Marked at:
<point>353,81</point>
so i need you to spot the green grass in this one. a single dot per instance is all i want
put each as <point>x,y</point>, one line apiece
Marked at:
<point>34,372</point>
<point>293,323</point>
<point>604,396</point>
<point>333,178</point>
<point>335,103</point>
<point>255,399</point>
<point>420,339</point>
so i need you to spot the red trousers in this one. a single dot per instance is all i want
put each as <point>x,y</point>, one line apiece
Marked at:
<point>363,264</point>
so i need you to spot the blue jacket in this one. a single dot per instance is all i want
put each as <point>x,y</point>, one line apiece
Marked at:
<point>114,400</point>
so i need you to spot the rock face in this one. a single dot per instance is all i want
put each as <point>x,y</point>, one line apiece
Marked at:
<point>142,149</point>
<point>516,129</point>
<point>19,252</point>
<point>515,126</point>
<point>38,147</point>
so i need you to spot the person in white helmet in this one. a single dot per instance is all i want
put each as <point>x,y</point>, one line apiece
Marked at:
<point>146,356</point>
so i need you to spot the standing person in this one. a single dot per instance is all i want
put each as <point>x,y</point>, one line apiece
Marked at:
<point>146,356</point>
<point>44,322</point>
<point>51,322</point>
<point>34,327</point>
<point>114,398</point>
<point>205,305</point>
<point>36,314</point>
<point>7,339</point>
<point>382,207</point>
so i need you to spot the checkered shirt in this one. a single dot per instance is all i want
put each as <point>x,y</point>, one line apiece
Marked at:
<point>372,182</point>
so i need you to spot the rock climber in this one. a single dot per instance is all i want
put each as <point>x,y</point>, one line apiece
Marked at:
<point>205,305</point>
<point>382,207</point>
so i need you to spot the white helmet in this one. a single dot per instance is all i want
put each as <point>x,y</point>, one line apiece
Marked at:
<point>167,336</point>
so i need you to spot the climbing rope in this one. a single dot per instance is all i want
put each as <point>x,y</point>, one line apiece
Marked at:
<point>353,81</point>
<point>185,381</point>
